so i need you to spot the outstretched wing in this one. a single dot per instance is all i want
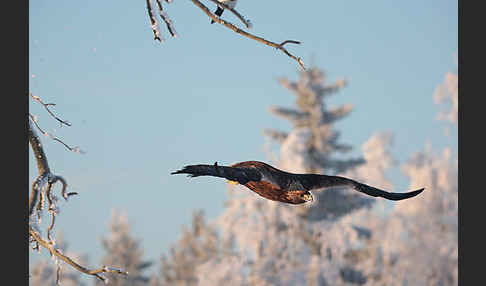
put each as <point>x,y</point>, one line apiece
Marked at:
<point>314,181</point>
<point>372,191</point>
<point>240,175</point>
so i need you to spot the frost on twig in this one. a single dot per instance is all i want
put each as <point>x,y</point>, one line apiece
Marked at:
<point>153,22</point>
<point>170,27</point>
<point>44,272</point>
<point>46,106</point>
<point>41,194</point>
<point>164,16</point>
<point>167,20</point>
<point>35,120</point>
<point>57,253</point>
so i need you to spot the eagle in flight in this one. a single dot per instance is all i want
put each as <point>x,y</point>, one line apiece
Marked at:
<point>277,185</point>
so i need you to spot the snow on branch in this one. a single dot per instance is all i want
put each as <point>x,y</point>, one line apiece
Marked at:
<point>294,116</point>
<point>278,136</point>
<point>75,149</point>
<point>34,119</point>
<point>46,106</point>
<point>56,252</point>
<point>42,191</point>
<point>164,16</point>
<point>337,113</point>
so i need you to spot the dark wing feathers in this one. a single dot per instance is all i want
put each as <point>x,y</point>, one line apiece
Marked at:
<point>240,175</point>
<point>252,171</point>
<point>387,195</point>
<point>315,181</point>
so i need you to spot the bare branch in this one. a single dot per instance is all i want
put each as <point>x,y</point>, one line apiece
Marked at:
<point>57,253</point>
<point>54,179</point>
<point>75,149</point>
<point>289,42</point>
<point>166,19</point>
<point>246,22</point>
<point>46,106</point>
<point>153,22</point>
<point>42,187</point>
<point>248,35</point>
<point>62,122</point>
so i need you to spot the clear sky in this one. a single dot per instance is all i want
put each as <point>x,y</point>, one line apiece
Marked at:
<point>141,109</point>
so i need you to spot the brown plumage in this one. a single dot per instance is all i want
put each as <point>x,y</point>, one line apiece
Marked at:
<point>277,185</point>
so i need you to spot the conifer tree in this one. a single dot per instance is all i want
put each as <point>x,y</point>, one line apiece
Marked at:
<point>125,252</point>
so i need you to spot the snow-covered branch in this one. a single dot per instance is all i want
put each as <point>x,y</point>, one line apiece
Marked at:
<point>42,191</point>
<point>165,17</point>
<point>34,119</point>
<point>46,106</point>
<point>56,252</point>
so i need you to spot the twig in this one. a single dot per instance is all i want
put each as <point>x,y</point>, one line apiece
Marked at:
<point>75,149</point>
<point>46,106</point>
<point>289,42</point>
<point>167,20</point>
<point>47,177</point>
<point>248,35</point>
<point>42,187</point>
<point>55,252</point>
<point>58,275</point>
<point>246,22</point>
<point>153,22</point>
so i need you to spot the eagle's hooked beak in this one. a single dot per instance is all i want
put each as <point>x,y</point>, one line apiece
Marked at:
<point>308,197</point>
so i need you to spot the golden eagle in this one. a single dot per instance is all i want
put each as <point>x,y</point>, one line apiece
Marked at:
<point>277,185</point>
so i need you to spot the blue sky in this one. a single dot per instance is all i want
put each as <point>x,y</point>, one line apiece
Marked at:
<point>141,109</point>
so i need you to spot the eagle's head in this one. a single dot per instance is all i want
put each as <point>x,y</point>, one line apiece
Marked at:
<point>298,197</point>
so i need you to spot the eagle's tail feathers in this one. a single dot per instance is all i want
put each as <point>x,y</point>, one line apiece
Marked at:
<point>387,195</point>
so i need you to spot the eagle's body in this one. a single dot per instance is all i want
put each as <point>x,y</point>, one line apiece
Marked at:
<point>277,185</point>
